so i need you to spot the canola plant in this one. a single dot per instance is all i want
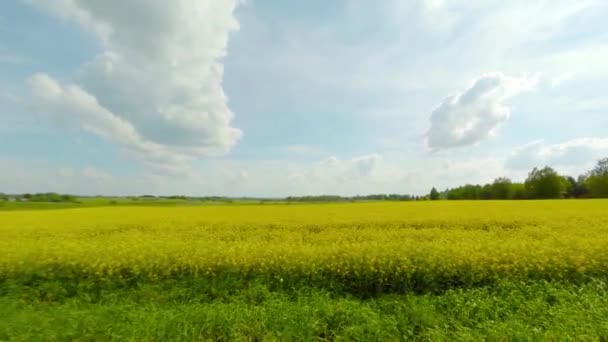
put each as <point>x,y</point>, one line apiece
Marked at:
<point>359,247</point>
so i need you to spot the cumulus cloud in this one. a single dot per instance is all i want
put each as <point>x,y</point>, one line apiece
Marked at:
<point>577,155</point>
<point>71,105</point>
<point>156,86</point>
<point>475,114</point>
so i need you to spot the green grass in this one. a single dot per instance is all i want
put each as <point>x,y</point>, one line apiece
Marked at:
<point>6,206</point>
<point>507,311</point>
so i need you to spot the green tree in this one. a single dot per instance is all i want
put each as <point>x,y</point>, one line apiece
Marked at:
<point>502,188</point>
<point>597,179</point>
<point>545,183</point>
<point>601,168</point>
<point>576,188</point>
<point>434,194</point>
<point>519,191</point>
<point>486,192</point>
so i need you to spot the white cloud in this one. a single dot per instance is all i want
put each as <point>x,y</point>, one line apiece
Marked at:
<point>71,105</point>
<point>571,157</point>
<point>156,87</point>
<point>449,42</point>
<point>152,73</point>
<point>475,114</point>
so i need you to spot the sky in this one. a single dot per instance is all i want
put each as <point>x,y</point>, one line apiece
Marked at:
<point>274,98</point>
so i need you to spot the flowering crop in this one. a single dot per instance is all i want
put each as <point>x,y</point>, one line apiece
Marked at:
<point>360,247</point>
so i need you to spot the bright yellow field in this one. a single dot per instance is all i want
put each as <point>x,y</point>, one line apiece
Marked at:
<point>400,244</point>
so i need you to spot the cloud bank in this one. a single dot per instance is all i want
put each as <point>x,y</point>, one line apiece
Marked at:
<point>475,114</point>
<point>156,86</point>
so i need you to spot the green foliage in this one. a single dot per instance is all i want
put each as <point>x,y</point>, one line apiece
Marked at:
<point>545,183</point>
<point>336,198</point>
<point>597,180</point>
<point>177,197</point>
<point>541,184</point>
<point>467,192</point>
<point>598,186</point>
<point>46,197</point>
<point>577,188</point>
<point>434,194</point>
<point>600,169</point>
<point>502,189</point>
<point>518,191</point>
<point>320,198</point>
<point>175,311</point>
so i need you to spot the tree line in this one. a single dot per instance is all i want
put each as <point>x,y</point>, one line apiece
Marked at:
<point>39,197</point>
<point>336,198</point>
<point>541,183</point>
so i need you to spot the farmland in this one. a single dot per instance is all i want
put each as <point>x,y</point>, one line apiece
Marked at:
<point>389,270</point>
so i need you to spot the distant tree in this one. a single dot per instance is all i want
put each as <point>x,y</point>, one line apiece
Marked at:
<point>597,179</point>
<point>473,192</point>
<point>434,195</point>
<point>518,191</point>
<point>486,192</point>
<point>601,169</point>
<point>501,188</point>
<point>576,188</point>
<point>50,197</point>
<point>545,183</point>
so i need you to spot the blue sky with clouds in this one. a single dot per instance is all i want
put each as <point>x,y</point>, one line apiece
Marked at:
<point>270,98</point>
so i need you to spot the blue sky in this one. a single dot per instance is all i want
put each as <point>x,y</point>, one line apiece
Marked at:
<point>270,98</point>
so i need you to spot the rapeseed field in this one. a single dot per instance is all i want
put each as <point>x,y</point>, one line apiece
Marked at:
<point>358,254</point>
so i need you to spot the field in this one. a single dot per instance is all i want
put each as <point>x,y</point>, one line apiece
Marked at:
<point>368,271</point>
